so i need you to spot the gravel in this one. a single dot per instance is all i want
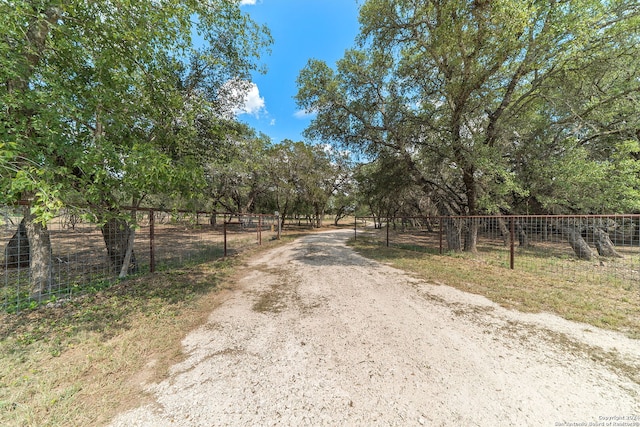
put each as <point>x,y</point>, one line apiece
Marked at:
<point>316,335</point>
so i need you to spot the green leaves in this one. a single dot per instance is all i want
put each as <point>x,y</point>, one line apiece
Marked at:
<point>100,100</point>
<point>471,95</point>
<point>575,181</point>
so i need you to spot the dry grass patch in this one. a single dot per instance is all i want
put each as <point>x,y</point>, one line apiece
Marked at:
<point>87,359</point>
<point>607,305</point>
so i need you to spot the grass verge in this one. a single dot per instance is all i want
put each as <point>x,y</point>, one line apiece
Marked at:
<point>612,306</point>
<point>82,361</point>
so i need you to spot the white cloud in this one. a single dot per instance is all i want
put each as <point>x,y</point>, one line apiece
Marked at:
<point>272,122</point>
<point>253,103</point>
<point>303,114</point>
<point>249,2</point>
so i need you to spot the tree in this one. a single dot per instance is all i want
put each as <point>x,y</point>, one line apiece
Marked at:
<point>386,190</point>
<point>580,148</point>
<point>238,179</point>
<point>326,171</point>
<point>340,184</point>
<point>303,178</point>
<point>449,84</point>
<point>99,101</point>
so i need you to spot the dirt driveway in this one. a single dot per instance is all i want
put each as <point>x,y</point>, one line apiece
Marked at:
<point>317,335</point>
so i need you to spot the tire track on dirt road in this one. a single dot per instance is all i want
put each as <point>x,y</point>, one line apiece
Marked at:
<point>318,335</point>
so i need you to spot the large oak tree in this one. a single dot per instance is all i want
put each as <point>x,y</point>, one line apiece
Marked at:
<point>459,88</point>
<point>100,100</point>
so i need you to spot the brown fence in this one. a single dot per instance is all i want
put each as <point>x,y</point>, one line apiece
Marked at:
<point>80,260</point>
<point>595,248</point>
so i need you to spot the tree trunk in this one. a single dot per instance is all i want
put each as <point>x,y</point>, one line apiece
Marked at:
<point>453,232</point>
<point>339,215</point>
<point>468,177</point>
<point>16,253</point>
<point>128,257</point>
<point>117,236</point>
<point>319,216</point>
<point>283,215</point>
<point>523,238</point>
<point>604,245</point>
<point>578,244</point>
<point>41,276</point>
<point>471,235</point>
<point>504,230</point>
<point>428,224</point>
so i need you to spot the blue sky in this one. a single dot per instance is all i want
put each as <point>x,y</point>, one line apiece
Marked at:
<point>301,29</point>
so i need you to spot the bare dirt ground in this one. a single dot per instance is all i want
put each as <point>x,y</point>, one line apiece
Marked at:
<point>317,335</point>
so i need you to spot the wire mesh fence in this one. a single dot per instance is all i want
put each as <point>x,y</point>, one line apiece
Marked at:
<point>85,255</point>
<point>593,248</point>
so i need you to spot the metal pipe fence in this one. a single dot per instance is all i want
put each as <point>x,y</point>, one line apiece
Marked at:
<point>594,248</point>
<point>86,255</point>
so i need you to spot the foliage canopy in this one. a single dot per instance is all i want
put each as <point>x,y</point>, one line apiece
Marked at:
<point>492,105</point>
<point>102,100</point>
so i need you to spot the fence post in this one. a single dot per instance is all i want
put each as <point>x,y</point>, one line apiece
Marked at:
<point>441,230</point>
<point>152,257</point>
<point>387,231</point>
<point>224,231</point>
<point>512,248</point>
<point>355,228</point>
<point>260,229</point>
<point>277,214</point>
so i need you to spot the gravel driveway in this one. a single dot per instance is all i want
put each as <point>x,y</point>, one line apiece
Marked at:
<point>317,335</point>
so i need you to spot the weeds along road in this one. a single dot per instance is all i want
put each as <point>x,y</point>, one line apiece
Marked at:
<point>317,335</point>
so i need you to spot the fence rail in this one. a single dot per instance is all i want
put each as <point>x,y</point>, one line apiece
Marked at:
<point>597,248</point>
<point>81,259</point>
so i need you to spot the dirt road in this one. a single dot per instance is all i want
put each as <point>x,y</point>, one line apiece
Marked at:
<point>317,335</point>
